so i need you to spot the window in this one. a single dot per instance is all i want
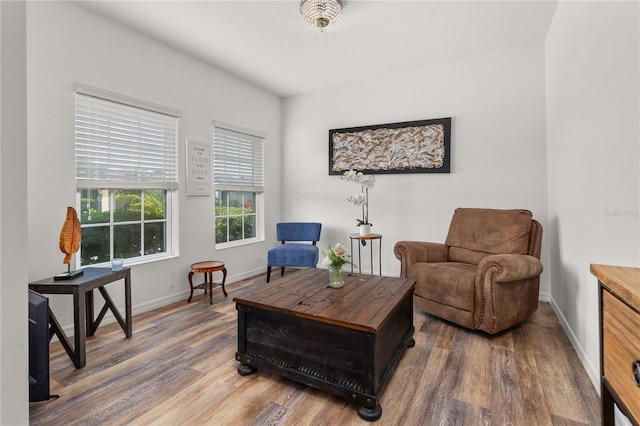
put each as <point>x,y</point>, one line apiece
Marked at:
<point>238,176</point>
<point>122,223</point>
<point>126,176</point>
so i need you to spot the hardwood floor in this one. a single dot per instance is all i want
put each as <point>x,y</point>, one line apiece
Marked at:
<point>179,369</point>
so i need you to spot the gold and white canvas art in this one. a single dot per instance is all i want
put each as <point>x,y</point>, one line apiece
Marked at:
<point>412,147</point>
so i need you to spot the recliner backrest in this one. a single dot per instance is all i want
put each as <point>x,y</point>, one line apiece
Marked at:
<point>298,231</point>
<point>477,233</point>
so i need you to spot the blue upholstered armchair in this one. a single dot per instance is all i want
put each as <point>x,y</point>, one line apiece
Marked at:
<point>294,254</point>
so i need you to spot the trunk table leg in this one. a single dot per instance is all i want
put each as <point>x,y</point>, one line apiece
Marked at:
<point>370,414</point>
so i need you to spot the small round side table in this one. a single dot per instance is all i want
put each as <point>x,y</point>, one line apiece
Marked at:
<point>207,268</point>
<point>371,238</point>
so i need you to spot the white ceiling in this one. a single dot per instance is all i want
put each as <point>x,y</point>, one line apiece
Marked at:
<point>267,42</point>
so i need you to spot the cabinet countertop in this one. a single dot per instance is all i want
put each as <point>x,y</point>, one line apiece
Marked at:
<point>622,281</point>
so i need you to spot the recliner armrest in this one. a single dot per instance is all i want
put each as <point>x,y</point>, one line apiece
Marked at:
<point>511,267</point>
<point>506,288</point>
<point>410,252</point>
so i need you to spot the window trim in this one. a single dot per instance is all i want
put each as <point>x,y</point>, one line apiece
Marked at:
<point>259,193</point>
<point>259,238</point>
<point>106,95</point>
<point>239,129</point>
<point>172,235</point>
<point>172,191</point>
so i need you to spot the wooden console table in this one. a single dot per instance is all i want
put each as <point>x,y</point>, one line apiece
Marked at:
<point>84,322</point>
<point>619,301</point>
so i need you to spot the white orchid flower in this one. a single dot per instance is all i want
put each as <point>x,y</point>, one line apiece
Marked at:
<point>356,199</point>
<point>349,176</point>
<point>366,183</point>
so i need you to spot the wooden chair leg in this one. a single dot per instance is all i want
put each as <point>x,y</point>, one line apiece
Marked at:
<point>191,286</point>
<point>268,273</point>
<point>210,286</point>
<point>224,278</point>
<point>282,271</point>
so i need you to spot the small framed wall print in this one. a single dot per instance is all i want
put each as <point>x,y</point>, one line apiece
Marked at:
<point>199,168</point>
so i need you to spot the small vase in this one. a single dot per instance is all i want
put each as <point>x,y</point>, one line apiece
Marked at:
<point>336,279</point>
<point>364,230</point>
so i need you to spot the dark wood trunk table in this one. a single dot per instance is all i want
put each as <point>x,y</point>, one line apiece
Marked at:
<point>345,341</point>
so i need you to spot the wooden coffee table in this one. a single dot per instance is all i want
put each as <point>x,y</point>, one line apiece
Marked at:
<point>345,341</point>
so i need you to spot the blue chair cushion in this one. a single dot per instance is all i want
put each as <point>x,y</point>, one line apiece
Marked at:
<point>293,255</point>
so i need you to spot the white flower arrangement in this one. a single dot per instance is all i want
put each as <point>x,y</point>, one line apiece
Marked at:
<point>336,256</point>
<point>366,183</point>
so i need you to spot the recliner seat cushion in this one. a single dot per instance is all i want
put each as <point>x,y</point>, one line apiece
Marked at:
<point>476,233</point>
<point>293,255</point>
<point>447,283</point>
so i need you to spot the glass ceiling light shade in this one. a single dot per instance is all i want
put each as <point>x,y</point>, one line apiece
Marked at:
<point>320,14</point>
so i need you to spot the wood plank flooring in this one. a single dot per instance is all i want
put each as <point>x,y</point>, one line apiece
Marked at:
<point>179,369</point>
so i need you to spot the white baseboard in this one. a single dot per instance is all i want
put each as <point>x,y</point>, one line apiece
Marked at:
<point>592,372</point>
<point>620,419</point>
<point>544,297</point>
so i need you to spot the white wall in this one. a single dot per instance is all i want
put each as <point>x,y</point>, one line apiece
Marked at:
<point>592,56</point>
<point>497,106</point>
<point>14,372</point>
<point>67,44</point>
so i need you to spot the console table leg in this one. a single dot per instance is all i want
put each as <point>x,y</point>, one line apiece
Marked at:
<point>369,414</point>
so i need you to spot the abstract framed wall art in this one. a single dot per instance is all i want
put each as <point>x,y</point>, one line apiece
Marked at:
<point>422,146</point>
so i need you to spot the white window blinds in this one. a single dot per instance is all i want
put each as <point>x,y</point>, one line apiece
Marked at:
<point>119,146</point>
<point>238,160</point>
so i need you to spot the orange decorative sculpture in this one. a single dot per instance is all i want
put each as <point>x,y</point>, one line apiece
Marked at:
<point>70,237</point>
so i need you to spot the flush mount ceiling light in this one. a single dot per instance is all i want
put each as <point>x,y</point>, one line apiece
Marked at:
<point>320,14</point>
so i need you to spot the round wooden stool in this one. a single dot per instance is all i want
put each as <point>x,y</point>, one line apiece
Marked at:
<point>207,268</point>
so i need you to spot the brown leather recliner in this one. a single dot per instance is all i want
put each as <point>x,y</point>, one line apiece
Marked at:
<point>486,276</point>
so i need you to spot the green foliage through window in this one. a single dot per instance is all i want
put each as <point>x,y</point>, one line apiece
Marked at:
<point>235,216</point>
<point>122,223</point>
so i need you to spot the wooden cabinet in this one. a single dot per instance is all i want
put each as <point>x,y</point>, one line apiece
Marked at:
<point>619,297</point>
